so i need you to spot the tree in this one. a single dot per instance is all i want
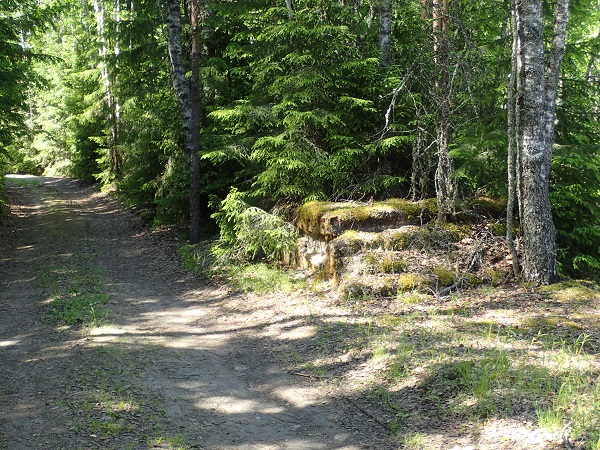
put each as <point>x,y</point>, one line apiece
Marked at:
<point>385,33</point>
<point>444,183</point>
<point>536,94</point>
<point>18,19</point>
<point>188,95</point>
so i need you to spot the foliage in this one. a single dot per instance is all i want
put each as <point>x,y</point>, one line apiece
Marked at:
<point>248,232</point>
<point>576,202</point>
<point>296,107</point>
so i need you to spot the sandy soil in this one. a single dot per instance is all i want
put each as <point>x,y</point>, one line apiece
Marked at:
<point>177,364</point>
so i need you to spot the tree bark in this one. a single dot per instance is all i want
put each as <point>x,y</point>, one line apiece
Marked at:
<point>188,96</point>
<point>385,33</point>
<point>536,112</point>
<point>114,153</point>
<point>444,183</point>
<point>512,145</point>
<point>290,9</point>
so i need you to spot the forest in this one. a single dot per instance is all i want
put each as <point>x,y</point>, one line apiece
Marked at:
<point>189,109</point>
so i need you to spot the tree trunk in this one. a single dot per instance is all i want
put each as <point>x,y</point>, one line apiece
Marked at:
<point>189,101</point>
<point>290,9</point>
<point>114,153</point>
<point>444,183</point>
<point>512,145</point>
<point>385,33</point>
<point>536,106</point>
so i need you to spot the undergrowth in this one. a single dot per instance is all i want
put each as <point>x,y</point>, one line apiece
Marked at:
<point>259,277</point>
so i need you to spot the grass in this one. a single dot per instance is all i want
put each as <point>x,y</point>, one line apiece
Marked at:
<point>261,278</point>
<point>466,363</point>
<point>246,277</point>
<point>112,407</point>
<point>74,294</point>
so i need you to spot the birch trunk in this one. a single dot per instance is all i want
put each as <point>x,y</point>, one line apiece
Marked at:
<point>444,184</point>
<point>188,100</point>
<point>536,106</point>
<point>385,33</point>
<point>512,144</point>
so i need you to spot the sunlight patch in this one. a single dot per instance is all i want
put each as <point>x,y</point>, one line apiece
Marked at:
<point>234,405</point>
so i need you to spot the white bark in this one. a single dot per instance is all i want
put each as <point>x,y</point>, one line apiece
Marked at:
<point>512,145</point>
<point>187,92</point>
<point>385,33</point>
<point>535,116</point>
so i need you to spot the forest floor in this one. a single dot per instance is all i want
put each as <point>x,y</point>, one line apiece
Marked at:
<point>107,343</point>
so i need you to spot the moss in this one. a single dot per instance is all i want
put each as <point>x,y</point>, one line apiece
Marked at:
<point>390,321</point>
<point>550,323</point>
<point>411,298</point>
<point>496,276</point>
<point>472,279</point>
<point>310,213</point>
<point>499,229</point>
<point>365,289</point>
<point>572,291</point>
<point>453,231</point>
<point>444,276</point>
<point>370,260</point>
<point>411,281</point>
<point>392,265</point>
<point>329,219</point>
<point>495,206</point>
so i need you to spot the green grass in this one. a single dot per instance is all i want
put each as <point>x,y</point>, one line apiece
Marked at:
<point>468,369</point>
<point>22,181</point>
<point>261,278</point>
<point>110,404</point>
<point>74,295</point>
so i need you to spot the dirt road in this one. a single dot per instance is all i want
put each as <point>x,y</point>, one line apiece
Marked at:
<point>175,364</point>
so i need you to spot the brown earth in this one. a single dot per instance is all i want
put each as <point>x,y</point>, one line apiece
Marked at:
<point>181,364</point>
<point>178,364</point>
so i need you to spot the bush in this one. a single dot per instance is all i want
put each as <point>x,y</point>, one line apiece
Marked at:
<point>249,233</point>
<point>576,208</point>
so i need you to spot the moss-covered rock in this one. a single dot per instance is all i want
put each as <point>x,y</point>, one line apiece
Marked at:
<point>496,207</point>
<point>391,264</point>
<point>330,220</point>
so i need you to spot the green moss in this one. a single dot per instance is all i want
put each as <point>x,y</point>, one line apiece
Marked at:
<point>392,265</point>
<point>411,281</point>
<point>445,277</point>
<point>453,231</point>
<point>390,321</point>
<point>572,291</point>
<point>495,206</point>
<point>496,276</point>
<point>398,241</point>
<point>325,217</point>
<point>550,323</point>
<point>411,297</point>
<point>472,279</point>
<point>310,214</point>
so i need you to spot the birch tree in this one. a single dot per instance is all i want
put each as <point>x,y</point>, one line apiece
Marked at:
<point>535,110</point>
<point>188,96</point>
<point>385,33</point>
<point>444,184</point>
